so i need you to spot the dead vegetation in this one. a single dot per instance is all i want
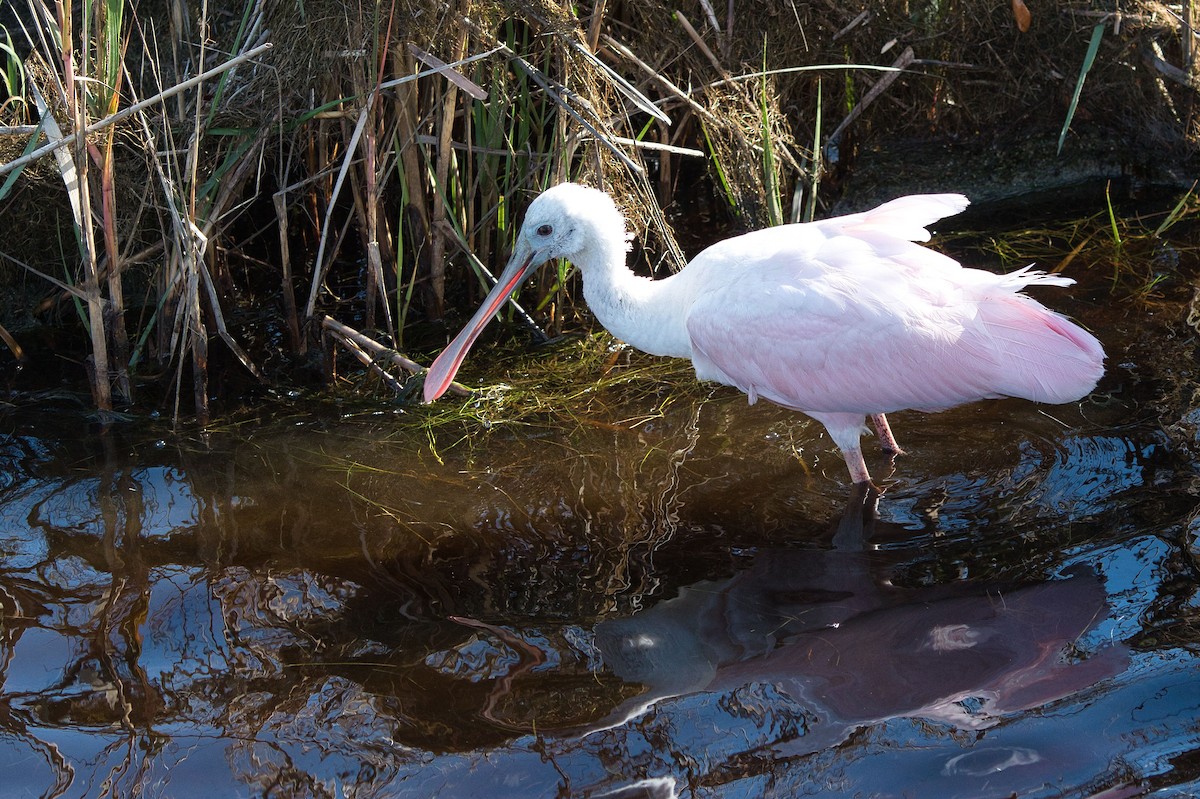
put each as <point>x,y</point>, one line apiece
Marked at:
<point>232,172</point>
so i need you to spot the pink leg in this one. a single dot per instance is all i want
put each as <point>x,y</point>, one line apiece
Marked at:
<point>845,430</point>
<point>857,466</point>
<point>884,431</point>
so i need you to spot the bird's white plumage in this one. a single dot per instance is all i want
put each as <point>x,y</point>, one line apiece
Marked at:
<point>842,318</point>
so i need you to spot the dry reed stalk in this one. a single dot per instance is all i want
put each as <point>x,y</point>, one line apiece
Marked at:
<point>594,24</point>
<point>666,174</point>
<point>902,62</point>
<point>115,307</point>
<point>659,78</point>
<point>110,53</point>
<point>376,286</point>
<point>12,345</point>
<point>1191,23</point>
<point>279,200</point>
<point>198,339</point>
<point>378,238</point>
<point>330,205</point>
<point>414,215</point>
<point>441,195</point>
<point>73,167</point>
<point>136,108</point>
<point>619,83</point>
<point>379,351</point>
<point>97,316</point>
<point>353,347</point>
<point>366,210</point>
<point>291,315</point>
<point>700,43</point>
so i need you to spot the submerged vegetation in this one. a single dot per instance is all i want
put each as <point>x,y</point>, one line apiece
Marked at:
<point>261,184</point>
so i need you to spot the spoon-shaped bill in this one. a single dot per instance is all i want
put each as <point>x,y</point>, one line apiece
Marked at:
<point>445,366</point>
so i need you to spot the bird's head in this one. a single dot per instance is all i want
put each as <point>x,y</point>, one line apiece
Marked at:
<point>565,221</point>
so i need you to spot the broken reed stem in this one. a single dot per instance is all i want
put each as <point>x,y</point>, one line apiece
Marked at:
<point>905,59</point>
<point>700,43</point>
<point>379,351</point>
<point>366,360</point>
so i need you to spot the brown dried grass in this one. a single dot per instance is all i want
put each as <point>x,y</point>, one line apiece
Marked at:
<point>437,177</point>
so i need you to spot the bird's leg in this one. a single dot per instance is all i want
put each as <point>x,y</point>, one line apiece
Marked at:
<point>846,430</point>
<point>856,464</point>
<point>884,431</point>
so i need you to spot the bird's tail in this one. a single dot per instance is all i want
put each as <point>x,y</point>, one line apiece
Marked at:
<point>1028,276</point>
<point>1039,355</point>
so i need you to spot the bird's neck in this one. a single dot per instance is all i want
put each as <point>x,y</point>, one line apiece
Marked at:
<point>642,312</point>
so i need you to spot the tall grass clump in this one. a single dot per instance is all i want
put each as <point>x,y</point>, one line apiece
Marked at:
<point>262,187</point>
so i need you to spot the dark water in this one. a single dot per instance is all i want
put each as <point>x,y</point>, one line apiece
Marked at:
<point>661,599</point>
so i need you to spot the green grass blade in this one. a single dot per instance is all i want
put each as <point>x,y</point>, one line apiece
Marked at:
<point>1176,213</point>
<point>1112,216</point>
<point>223,82</point>
<point>810,202</point>
<point>30,146</point>
<point>1088,59</point>
<point>114,14</point>
<point>770,169</point>
<point>13,73</point>
<point>716,165</point>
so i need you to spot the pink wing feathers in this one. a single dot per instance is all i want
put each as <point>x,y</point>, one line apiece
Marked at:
<point>859,320</point>
<point>905,218</point>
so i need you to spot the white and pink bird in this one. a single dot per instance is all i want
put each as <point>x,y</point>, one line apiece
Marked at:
<point>843,319</point>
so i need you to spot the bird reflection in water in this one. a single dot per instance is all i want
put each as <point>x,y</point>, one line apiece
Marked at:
<point>826,637</point>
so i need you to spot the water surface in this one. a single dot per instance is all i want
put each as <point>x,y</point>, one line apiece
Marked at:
<point>660,599</point>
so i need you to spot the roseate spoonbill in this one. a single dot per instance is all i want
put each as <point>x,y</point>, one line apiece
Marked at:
<point>841,319</point>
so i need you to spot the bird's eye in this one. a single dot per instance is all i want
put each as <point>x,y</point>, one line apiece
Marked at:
<point>545,230</point>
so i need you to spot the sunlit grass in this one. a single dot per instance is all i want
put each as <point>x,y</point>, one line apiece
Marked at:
<point>1130,251</point>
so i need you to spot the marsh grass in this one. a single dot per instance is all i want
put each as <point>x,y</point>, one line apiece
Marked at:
<point>575,385</point>
<point>1132,255</point>
<point>192,165</point>
<point>577,381</point>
